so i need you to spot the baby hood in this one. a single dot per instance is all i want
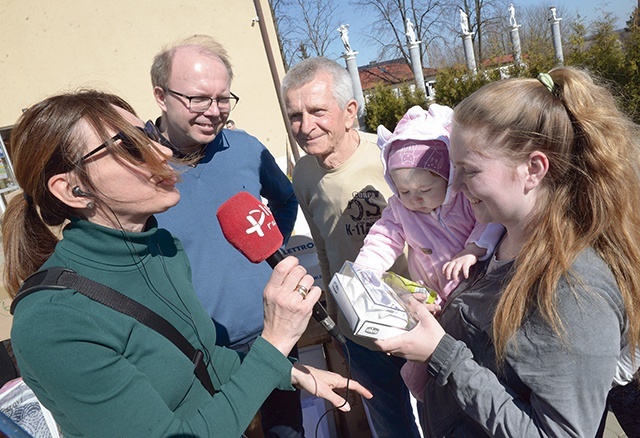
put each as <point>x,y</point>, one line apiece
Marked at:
<point>417,125</point>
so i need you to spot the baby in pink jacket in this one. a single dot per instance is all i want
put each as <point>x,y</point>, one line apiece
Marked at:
<point>443,237</point>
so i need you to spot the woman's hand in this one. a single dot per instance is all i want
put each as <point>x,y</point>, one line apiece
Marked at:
<point>288,301</point>
<point>322,384</point>
<point>418,344</point>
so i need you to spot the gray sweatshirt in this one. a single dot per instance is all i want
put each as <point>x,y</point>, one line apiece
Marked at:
<point>550,385</point>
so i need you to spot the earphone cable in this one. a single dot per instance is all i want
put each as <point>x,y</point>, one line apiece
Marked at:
<point>346,396</point>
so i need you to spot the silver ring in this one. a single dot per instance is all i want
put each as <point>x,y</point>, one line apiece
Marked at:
<point>302,290</point>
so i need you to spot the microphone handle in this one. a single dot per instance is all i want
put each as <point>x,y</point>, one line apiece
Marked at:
<point>319,312</point>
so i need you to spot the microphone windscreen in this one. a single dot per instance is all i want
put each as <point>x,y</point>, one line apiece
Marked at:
<point>250,227</point>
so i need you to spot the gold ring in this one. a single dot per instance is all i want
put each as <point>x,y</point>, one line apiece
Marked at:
<point>302,290</point>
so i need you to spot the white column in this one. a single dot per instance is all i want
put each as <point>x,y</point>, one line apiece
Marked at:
<point>555,31</point>
<point>416,66</point>
<point>468,52</point>
<point>352,67</point>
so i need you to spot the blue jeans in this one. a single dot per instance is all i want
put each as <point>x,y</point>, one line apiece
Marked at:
<point>390,408</point>
<point>281,412</point>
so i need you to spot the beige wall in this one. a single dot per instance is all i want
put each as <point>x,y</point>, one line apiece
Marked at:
<point>48,47</point>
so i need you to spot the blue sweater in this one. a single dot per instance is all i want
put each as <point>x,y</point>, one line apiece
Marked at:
<point>228,285</point>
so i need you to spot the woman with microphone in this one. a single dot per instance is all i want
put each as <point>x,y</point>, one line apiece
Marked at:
<point>86,160</point>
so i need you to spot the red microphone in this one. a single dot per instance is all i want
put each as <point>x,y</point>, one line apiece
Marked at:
<point>251,228</point>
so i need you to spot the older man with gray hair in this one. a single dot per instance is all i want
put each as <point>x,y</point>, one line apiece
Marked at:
<point>341,190</point>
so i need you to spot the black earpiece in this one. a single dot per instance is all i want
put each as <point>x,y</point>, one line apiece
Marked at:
<point>77,191</point>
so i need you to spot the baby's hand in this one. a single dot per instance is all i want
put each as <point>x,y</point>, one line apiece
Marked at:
<point>459,265</point>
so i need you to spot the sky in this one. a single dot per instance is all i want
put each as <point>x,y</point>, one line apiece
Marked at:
<point>359,22</point>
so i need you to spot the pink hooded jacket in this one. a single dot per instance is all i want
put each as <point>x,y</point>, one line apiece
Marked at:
<point>434,238</point>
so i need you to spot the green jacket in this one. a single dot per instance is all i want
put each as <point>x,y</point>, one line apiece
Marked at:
<point>102,373</point>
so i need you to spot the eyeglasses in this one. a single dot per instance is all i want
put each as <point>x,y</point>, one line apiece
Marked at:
<point>129,145</point>
<point>154,133</point>
<point>199,104</point>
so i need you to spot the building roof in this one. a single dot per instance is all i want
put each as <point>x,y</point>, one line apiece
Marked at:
<point>498,61</point>
<point>393,72</point>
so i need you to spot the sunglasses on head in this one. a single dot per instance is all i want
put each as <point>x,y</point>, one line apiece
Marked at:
<point>128,144</point>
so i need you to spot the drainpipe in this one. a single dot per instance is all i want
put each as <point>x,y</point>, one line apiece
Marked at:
<point>276,79</point>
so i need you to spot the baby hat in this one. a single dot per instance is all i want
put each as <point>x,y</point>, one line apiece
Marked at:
<point>431,155</point>
<point>420,139</point>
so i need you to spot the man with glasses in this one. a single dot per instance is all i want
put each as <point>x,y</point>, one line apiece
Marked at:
<point>192,86</point>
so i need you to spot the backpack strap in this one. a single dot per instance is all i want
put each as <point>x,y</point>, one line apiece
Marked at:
<point>62,278</point>
<point>45,279</point>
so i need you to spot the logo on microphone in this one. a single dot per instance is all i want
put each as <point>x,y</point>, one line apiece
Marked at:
<point>257,219</point>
